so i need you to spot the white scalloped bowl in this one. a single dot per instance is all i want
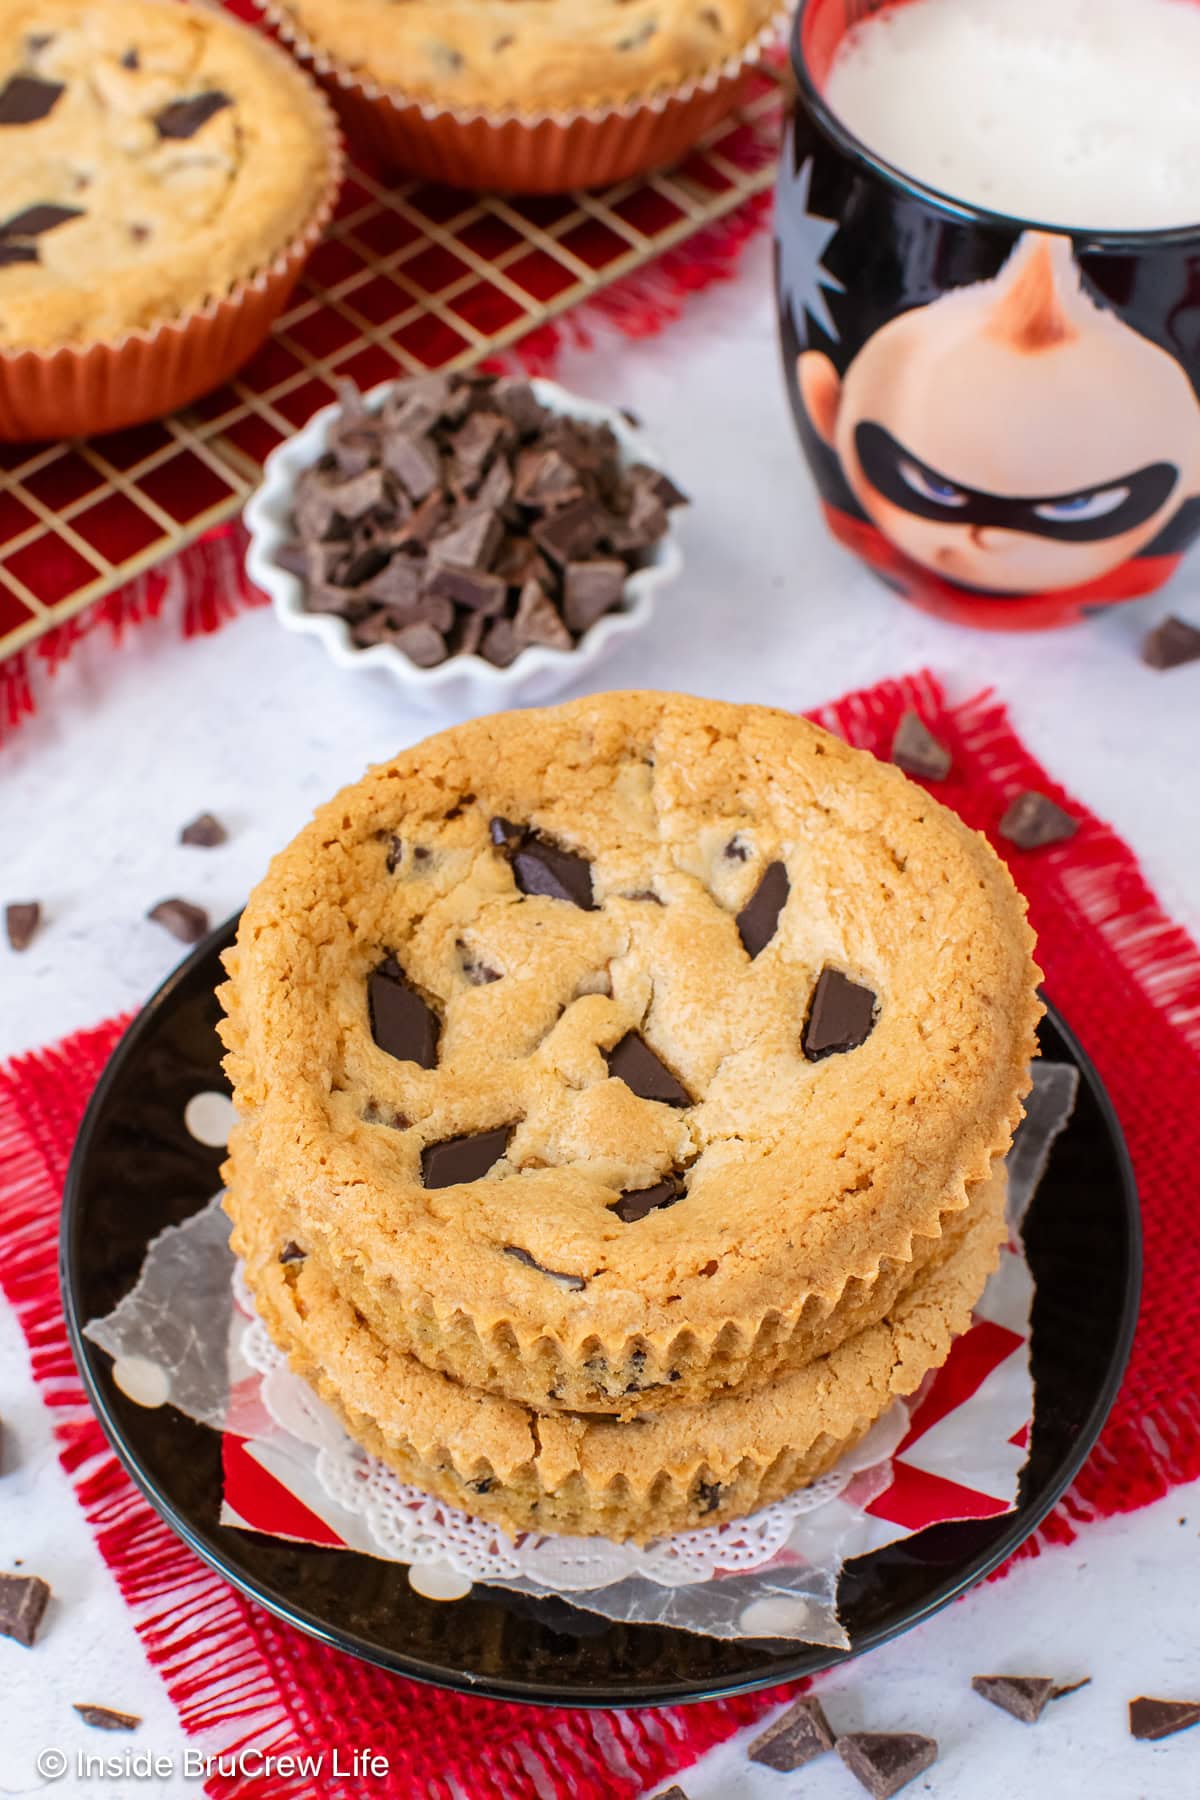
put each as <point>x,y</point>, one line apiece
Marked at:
<point>461,681</point>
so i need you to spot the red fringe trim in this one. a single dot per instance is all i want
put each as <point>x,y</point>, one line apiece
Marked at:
<point>207,584</point>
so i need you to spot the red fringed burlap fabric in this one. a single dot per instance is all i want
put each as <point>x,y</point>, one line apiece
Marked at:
<point>1129,982</point>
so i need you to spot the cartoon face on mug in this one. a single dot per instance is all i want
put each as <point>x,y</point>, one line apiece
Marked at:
<point>1013,436</point>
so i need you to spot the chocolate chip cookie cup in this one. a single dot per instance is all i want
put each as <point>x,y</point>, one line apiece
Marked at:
<point>168,172</point>
<point>552,98</point>
<point>555,636</point>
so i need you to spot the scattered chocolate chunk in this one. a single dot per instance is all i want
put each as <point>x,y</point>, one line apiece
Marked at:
<point>23,1602</point>
<point>292,1253</point>
<point>17,253</point>
<point>131,59</point>
<point>21,920</point>
<point>472,544</point>
<point>540,866</point>
<point>737,850</point>
<point>639,1203</point>
<point>500,646</point>
<point>483,1484</point>
<point>633,1062</point>
<point>758,918</point>
<point>886,1761</point>
<point>206,832</point>
<point>841,1016</point>
<point>802,1733</point>
<point>105,1719</point>
<point>537,620</point>
<point>574,1282</point>
<point>1024,1696</point>
<point>24,99</point>
<point>401,1023</point>
<point>184,118</point>
<point>464,492</point>
<point>1172,643</point>
<point>35,220</point>
<point>482,593</point>
<point>461,1159</point>
<point>1151,1719</point>
<point>1034,820</point>
<point>917,751</point>
<point>591,589</point>
<point>183,920</point>
<point>477,972</point>
<point>708,1495</point>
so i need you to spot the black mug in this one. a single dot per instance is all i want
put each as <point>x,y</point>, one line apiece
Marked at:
<point>1001,416</point>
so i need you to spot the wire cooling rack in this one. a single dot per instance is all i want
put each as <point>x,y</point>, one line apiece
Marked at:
<point>409,278</point>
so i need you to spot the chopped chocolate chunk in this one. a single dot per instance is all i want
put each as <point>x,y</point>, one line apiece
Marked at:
<point>415,462</point>
<point>659,485</point>
<point>363,565</point>
<point>357,494</point>
<point>184,118</point>
<point>421,642</point>
<point>917,751</point>
<point>399,584</point>
<point>494,491</point>
<point>475,443</point>
<point>477,972</point>
<point>1172,643</point>
<point>422,523</point>
<point>462,1159</point>
<point>797,1737</point>
<point>518,402</point>
<point>183,920</point>
<point>540,866</point>
<point>500,646</point>
<point>886,1761</point>
<point>401,1023</point>
<point>633,1062</point>
<point>544,479</point>
<point>471,544</point>
<point>105,1719</point>
<point>1034,820</point>
<point>417,407</point>
<point>519,561</point>
<point>574,1282</point>
<point>34,220</point>
<point>296,558</point>
<point>468,634</point>
<point>21,920</point>
<point>1024,1696</point>
<point>639,1203</point>
<point>642,526</point>
<point>17,253</point>
<point>758,918</point>
<point>468,587</point>
<point>572,533</point>
<point>841,1016</point>
<point>1151,1719</point>
<point>591,589</point>
<point>708,1495</point>
<point>23,1602</point>
<point>24,99</point>
<point>536,620</point>
<point>205,831</point>
<point>292,1253</point>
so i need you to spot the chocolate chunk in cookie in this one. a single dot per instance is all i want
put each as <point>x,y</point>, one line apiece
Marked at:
<point>465,1158</point>
<point>758,919</point>
<point>841,1016</point>
<point>24,99</point>
<point>574,1282</point>
<point>184,118</point>
<point>401,1023</point>
<point>633,1062</point>
<point>639,1203</point>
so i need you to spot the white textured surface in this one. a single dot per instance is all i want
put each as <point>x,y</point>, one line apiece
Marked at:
<point>258,727</point>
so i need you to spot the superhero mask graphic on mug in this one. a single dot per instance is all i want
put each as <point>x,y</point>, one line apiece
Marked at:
<point>1013,436</point>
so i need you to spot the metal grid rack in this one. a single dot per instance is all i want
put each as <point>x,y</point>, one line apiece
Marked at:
<point>409,278</point>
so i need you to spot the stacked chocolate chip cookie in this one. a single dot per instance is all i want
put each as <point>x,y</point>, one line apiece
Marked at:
<point>624,1092</point>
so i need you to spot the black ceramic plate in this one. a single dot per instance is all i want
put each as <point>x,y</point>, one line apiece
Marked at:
<point>136,1169</point>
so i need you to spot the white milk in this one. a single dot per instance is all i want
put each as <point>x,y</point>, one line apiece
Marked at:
<point>1068,112</point>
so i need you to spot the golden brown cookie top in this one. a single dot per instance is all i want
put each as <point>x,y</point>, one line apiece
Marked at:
<point>155,156</point>
<point>527,56</point>
<point>640,1015</point>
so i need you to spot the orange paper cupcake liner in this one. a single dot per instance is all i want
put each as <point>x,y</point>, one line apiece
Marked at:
<point>549,153</point>
<point>84,390</point>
